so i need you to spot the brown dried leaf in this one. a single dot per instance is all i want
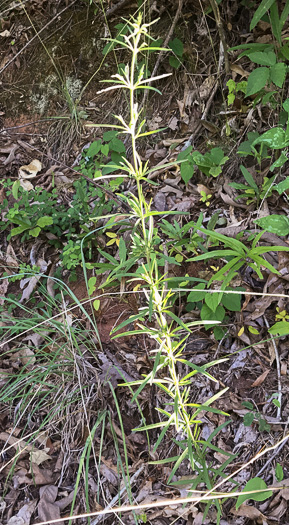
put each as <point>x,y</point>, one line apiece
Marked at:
<point>206,87</point>
<point>30,171</point>
<point>47,509</point>
<point>40,476</point>
<point>109,475</point>
<point>261,378</point>
<point>160,201</point>
<point>238,70</point>
<point>39,456</point>
<point>3,289</point>
<point>32,281</point>
<point>5,375</point>
<point>25,355</point>
<point>19,444</point>
<point>24,514</point>
<point>248,512</point>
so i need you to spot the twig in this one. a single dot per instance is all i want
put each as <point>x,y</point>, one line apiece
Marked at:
<point>160,56</point>
<point>273,456</point>
<point>114,8</point>
<point>116,498</point>
<point>220,27</point>
<point>209,101</point>
<point>278,370</point>
<point>35,36</point>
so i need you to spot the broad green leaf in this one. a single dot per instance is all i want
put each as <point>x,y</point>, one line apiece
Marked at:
<point>263,58</point>
<point>278,74</point>
<point>177,47</point>
<point>280,328</point>
<point>18,230</point>
<point>212,300</point>
<point>278,224</point>
<point>91,285</point>
<point>283,186</point>
<point>122,250</point>
<point>252,485</point>
<point>15,188</point>
<point>279,472</point>
<point>286,102</point>
<point>232,301</point>
<point>253,330</point>
<point>44,221</point>
<point>257,80</point>
<point>187,171</point>
<point>35,231</point>
<point>249,178</point>
<point>248,404</point>
<point>93,149</point>
<point>279,162</point>
<point>274,138</point>
<point>208,315</point>
<point>248,419</point>
<point>196,294</point>
<point>105,149</point>
<point>260,12</point>
<point>174,62</point>
<point>215,171</point>
<point>217,155</point>
<point>96,304</point>
<point>185,154</point>
<point>117,145</point>
<point>276,22</point>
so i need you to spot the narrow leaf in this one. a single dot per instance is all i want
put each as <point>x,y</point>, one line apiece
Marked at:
<point>260,12</point>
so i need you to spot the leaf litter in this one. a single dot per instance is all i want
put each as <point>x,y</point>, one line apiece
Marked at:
<point>250,374</point>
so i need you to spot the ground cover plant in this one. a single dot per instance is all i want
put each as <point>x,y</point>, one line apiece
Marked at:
<point>144,315</point>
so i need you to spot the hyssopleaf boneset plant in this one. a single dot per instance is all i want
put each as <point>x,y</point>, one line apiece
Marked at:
<point>169,332</point>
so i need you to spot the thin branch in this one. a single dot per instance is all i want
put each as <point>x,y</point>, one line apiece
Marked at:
<point>160,56</point>
<point>219,23</point>
<point>278,370</point>
<point>35,36</point>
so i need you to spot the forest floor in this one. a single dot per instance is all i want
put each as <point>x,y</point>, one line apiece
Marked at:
<point>66,422</point>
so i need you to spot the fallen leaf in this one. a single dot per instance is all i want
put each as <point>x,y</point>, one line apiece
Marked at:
<point>5,375</point>
<point>19,444</point>
<point>248,511</point>
<point>109,475</point>
<point>39,456</point>
<point>30,171</point>
<point>23,516</point>
<point>235,68</point>
<point>201,187</point>
<point>3,289</point>
<point>25,355</point>
<point>47,509</point>
<point>160,201</point>
<point>32,281</point>
<point>26,185</point>
<point>261,378</point>
<point>40,476</point>
<point>173,123</point>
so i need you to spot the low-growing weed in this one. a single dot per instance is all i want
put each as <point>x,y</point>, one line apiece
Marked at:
<point>210,163</point>
<point>40,212</point>
<point>95,163</point>
<point>254,414</point>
